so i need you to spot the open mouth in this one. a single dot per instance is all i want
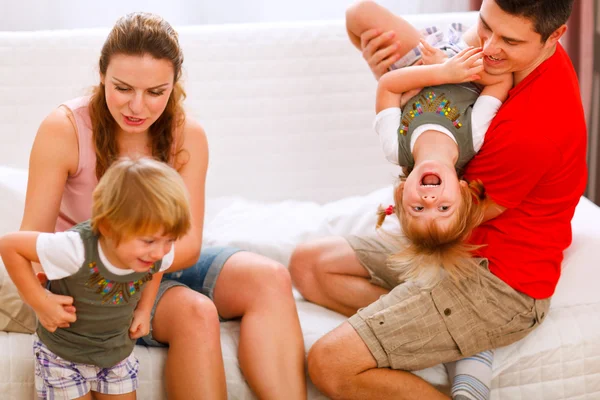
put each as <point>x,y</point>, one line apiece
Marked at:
<point>430,180</point>
<point>133,121</point>
<point>491,58</point>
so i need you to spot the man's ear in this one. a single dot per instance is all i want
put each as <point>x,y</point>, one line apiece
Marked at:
<point>463,183</point>
<point>555,36</point>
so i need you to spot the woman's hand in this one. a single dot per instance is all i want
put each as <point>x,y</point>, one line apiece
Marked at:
<point>52,311</point>
<point>379,50</point>
<point>463,67</point>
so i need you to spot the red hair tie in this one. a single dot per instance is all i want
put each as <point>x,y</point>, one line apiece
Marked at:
<point>389,210</point>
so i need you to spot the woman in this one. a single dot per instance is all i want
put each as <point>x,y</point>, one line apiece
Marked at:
<point>136,111</point>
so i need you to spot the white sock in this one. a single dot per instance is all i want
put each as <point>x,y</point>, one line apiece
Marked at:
<point>471,377</point>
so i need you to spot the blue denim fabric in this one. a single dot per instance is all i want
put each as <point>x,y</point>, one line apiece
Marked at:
<point>201,277</point>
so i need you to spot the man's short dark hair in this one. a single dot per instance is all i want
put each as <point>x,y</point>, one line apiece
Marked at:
<point>546,15</point>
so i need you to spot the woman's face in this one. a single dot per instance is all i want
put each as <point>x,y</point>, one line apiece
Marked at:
<point>137,89</point>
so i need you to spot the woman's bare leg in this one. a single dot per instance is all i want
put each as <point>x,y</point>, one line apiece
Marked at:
<point>271,350</point>
<point>327,272</point>
<point>189,323</point>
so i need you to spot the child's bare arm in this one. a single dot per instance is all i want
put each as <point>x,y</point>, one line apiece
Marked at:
<point>149,294</point>
<point>18,251</point>
<point>431,55</point>
<point>457,69</point>
<point>140,326</point>
<point>497,85</point>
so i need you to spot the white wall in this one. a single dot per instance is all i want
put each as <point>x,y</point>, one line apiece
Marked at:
<point>25,15</point>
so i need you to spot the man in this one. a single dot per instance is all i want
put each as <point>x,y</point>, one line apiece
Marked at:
<point>532,165</point>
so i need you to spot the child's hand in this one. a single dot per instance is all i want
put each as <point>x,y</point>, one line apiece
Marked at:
<point>140,326</point>
<point>431,55</point>
<point>464,67</point>
<point>56,311</point>
<point>406,96</point>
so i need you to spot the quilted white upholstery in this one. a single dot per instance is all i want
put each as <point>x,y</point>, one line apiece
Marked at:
<point>288,110</point>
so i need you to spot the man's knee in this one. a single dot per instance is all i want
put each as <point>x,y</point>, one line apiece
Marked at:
<point>302,266</point>
<point>322,371</point>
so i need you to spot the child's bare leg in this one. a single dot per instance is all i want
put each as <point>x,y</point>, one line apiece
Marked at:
<point>87,396</point>
<point>126,396</point>
<point>366,15</point>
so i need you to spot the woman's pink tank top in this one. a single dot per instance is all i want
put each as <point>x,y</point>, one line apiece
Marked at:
<point>76,203</point>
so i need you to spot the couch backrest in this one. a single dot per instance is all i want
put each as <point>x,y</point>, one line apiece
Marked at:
<point>287,108</point>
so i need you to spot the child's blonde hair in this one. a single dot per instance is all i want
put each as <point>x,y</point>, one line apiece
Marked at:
<point>430,251</point>
<point>140,196</point>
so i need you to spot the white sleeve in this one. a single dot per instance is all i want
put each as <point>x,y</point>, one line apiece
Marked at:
<point>386,126</point>
<point>167,260</point>
<point>484,111</point>
<point>61,254</point>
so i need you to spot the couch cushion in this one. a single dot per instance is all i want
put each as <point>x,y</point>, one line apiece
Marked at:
<point>15,316</point>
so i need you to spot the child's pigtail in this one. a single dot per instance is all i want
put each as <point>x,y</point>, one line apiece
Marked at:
<point>382,213</point>
<point>477,190</point>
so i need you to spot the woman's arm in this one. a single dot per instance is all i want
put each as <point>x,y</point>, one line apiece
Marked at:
<point>54,155</point>
<point>192,164</point>
<point>460,68</point>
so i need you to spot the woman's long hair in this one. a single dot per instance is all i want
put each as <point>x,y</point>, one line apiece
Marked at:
<point>138,34</point>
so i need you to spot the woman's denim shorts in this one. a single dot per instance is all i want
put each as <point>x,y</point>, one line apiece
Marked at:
<point>201,277</point>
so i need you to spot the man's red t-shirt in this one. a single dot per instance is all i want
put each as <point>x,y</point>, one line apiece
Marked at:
<point>533,162</point>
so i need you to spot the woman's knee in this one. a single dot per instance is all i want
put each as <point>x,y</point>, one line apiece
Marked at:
<point>183,312</point>
<point>275,279</point>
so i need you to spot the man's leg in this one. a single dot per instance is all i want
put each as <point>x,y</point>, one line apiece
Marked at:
<point>328,272</point>
<point>342,367</point>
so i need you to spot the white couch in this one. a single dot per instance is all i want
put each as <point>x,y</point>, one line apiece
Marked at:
<point>288,110</point>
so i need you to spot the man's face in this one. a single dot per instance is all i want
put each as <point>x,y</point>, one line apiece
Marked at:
<point>510,43</point>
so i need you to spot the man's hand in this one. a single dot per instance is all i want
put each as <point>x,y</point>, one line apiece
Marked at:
<point>52,311</point>
<point>463,67</point>
<point>379,50</point>
<point>140,326</point>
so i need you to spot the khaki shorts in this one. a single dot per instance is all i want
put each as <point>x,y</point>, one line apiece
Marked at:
<point>412,329</point>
